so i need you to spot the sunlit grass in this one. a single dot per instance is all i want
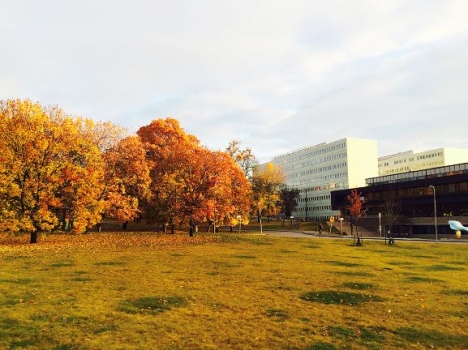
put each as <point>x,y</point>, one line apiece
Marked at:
<point>153,291</point>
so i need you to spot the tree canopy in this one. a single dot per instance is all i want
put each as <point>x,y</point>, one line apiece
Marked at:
<point>189,183</point>
<point>62,172</point>
<point>355,208</point>
<point>46,164</point>
<point>266,184</point>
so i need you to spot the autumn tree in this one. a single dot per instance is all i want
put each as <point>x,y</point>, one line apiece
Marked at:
<point>127,180</point>
<point>189,183</point>
<point>104,135</point>
<point>356,210</point>
<point>243,157</point>
<point>266,183</point>
<point>215,189</point>
<point>46,164</point>
<point>167,148</point>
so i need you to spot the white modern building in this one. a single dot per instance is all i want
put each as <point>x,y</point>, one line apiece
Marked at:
<point>411,161</point>
<point>317,170</point>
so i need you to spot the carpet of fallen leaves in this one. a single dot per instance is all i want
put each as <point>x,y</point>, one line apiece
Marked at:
<point>105,240</point>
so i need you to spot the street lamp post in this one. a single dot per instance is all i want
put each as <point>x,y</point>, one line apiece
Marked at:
<point>259,210</point>
<point>380,225</point>
<point>240,222</point>
<point>435,210</point>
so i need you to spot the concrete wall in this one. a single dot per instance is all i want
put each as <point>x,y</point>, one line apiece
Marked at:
<point>362,161</point>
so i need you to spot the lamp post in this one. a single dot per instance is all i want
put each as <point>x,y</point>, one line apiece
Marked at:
<point>259,210</point>
<point>240,222</point>
<point>435,211</point>
<point>380,225</point>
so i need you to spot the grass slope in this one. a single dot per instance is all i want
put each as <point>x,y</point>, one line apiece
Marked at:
<point>150,291</point>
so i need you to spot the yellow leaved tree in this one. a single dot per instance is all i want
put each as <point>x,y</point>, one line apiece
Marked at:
<point>266,185</point>
<point>127,180</point>
<point>46,165</point>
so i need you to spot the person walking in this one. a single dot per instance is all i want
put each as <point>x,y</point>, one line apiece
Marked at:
<point>320,227</point>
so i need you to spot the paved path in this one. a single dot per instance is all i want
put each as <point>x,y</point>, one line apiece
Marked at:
<point>313,235</point>
<point>290,234</point>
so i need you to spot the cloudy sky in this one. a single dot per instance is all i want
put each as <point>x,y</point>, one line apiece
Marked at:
<point>277,75</point>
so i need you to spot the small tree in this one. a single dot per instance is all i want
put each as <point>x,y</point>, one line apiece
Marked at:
<point>243,157</point>
<point>289,197</point>
<point>266,183</point>
<point>391,208</point>
<point>356,210</point>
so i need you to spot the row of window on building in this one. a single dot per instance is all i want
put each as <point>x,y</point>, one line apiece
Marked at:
<point>422,191</point>
<point>314,153</point>
<point>314,198</point>
<point>315,162</point>
<point>432,155</point>
<point>314,208</point>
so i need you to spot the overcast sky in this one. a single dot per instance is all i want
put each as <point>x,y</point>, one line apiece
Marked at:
<point>276,75</point>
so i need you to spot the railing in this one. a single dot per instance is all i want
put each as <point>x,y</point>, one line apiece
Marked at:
<point>448,170</point>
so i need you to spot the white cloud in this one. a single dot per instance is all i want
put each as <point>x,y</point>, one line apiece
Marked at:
<point>278,75</point>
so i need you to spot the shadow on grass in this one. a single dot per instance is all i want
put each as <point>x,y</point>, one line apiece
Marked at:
<point>455,292</point>
<point>342,263</point>
<point>431,337</point>
<point>80,279</point>
<point>287,251</point>
<point>151,305</point>
<point>317,346</point>
<point>23,335</point>
<point>444,268</point>
<point>339,297</point>
<point>20,281</point>
<point>419,279</point>
<point>366,335</point>
<point>353,273</point>
<point>62,264</point>
<point>277,315</point>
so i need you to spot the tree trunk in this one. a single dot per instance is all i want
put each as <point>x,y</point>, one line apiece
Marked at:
<point>33,237</point>
<point>359,241</point>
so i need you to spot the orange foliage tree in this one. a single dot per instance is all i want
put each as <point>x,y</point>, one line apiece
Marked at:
<point>167,148</point>
<point>189,183</point>
<point>216,189</point>
<point>127,180</point>
<point>46,164</point>
<point>355,209</point>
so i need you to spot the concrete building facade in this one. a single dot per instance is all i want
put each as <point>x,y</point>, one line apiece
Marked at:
<point>319,169</point>
<point>411,161</point>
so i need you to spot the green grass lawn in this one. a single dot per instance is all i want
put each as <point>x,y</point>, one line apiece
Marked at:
<point>152,291</point>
